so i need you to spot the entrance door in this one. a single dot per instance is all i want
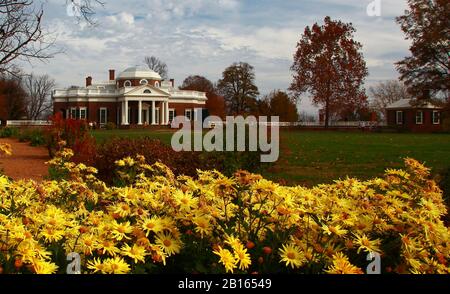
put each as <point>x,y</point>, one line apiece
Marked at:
<point>144,116</point>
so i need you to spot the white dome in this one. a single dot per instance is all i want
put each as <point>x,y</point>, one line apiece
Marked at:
<point>138,72</point>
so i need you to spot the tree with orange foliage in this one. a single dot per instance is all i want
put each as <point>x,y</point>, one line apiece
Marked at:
<point>329,65</point>
<point>215,103</point>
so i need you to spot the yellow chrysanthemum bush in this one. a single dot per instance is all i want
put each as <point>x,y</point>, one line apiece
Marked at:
<point>154,222</point>
<point>5,149</point>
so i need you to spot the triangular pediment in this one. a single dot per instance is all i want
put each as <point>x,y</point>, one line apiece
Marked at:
<point>147,91</point>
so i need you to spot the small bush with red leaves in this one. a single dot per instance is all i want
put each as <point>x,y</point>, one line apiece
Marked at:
<point>153,150</point>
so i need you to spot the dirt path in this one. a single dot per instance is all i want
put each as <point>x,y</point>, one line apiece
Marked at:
<point>27,162</point>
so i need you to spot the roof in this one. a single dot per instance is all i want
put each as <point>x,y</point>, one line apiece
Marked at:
<point>138,72</point>
<point>409,103</point>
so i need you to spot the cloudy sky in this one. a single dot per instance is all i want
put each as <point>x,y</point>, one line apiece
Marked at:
<point>205,36</point>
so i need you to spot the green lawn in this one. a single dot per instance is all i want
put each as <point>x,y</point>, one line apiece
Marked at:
<point>311,158</point>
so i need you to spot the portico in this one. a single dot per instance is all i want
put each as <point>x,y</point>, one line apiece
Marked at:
<point>144,111</point>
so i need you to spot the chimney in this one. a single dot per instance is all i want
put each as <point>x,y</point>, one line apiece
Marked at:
<point>112,75</point>
<point>88,81</point>
<point>172,81</point>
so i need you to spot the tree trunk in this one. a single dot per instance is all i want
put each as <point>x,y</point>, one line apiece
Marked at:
<point>327,112</point>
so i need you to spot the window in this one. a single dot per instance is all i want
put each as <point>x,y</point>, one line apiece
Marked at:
<point>419,117</point>
<point>147,91</point>
<point>171,115</point>
<point>188,114</point>
<point>157,84</point>
<point>73,113</point>
<point>436,117</point>
<point>83,113</point>
<point>103,116</point>
<point>127,84</point>
<point>143,82</point>
<point>399,117</point>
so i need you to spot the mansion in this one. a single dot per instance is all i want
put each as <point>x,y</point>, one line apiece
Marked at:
<point>138,96</point>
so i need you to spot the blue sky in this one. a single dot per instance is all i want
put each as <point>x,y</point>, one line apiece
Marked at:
<point>205,36</point>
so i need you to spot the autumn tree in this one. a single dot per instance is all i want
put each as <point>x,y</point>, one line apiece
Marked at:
<point>238,88</point>
<point>385,93</point>
<point>427,25</point>
<point>280,104</point>
<point>215,103</point>
<point>38,100</point>
<point>13,99</point>
<point>157,65</point>
<point>329,65</point>
<point>198,83</point>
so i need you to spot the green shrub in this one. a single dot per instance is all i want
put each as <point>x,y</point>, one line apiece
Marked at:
<point>110,126</point>
<point>9,132</point>
<point>36,137</point>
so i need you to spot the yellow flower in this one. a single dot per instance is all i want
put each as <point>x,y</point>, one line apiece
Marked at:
<point>96,265</point>
<point>242,257</point>
<point>5,149</point>
<point>168,243</point>
<point>227,259</point>
<point>44,267</point>
<point>116,265</point>
<point>137,253</point>
<point>291,255</point>
<point>152,224</point>
<point>203,225</point>
<point>232,241</point>
<point>51,234</point>
<point>341,265</point>
<point>122,209</point>
<point>366,244</point>
<point>120,230</point>
<point>336,230</point>
<point>109,247</point>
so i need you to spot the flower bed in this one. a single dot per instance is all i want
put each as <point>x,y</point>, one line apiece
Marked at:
<point>160,223</point>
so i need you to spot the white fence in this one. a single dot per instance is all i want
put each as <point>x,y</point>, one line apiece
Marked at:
<point>340,124</point>
<point>28,123</point>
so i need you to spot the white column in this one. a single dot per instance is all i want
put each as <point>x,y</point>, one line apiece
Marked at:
<point>140,112</point>
<point>126,113</point>
<point>167,113</point>
<point>122,110</point>
<point>161,113</point>
<point>153,113</point>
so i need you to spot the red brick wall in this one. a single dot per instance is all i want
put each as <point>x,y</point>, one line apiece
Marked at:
<point>93,109</point>
<point>181,107</point>
<point>409,121</point>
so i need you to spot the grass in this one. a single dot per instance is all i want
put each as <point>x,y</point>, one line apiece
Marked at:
<point>311,158</point>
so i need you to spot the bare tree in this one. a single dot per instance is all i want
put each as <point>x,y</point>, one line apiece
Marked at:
<point>84,9</point>
<point>21,33</point>
<point>38,101</point>
<point>157,65</point>
<point>388,92</point>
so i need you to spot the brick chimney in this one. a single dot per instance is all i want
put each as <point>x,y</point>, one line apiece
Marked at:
<point>112,75</point>
<point>172,81</point>
<point>88,81</point>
